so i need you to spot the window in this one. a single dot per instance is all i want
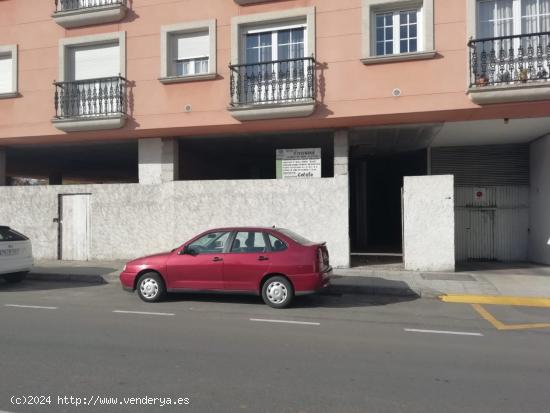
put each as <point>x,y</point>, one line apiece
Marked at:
<point>211,243</point>
<point>511,17</point>
<point>397,30</point>
<point>249,242</point>
<point>270,45</point>
<point>8,71</point>
<point>292,235</point>
<point>190,54</point>
<point>94,61</point>
<point>188,51</point>
<point>276,243</point>
<point>7,234</point>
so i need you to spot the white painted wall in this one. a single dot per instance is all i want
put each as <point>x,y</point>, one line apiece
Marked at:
<point>428,223</point>
<point>539,219</point>
<point>131,220</point>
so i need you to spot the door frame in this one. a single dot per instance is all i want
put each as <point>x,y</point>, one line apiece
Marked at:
<point>59,221</point>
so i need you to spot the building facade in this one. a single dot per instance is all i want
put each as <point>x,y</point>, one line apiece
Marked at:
<point>417,129</point>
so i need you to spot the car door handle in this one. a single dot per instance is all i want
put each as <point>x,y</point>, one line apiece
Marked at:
<point>217,259</point>
<point>262,258</point>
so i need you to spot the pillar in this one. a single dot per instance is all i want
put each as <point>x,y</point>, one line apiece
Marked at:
<point>158,160</point>
<point>3,180</point>
<point>341,145</point>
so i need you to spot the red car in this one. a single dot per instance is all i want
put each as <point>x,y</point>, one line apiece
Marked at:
<point>273,262</point>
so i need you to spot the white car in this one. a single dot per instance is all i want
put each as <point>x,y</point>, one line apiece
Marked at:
<point>15,255</point>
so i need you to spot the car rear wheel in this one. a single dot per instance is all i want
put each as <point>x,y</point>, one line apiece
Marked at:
<point>277,292</point>
<point>15,278</point>
<point>150,287</point>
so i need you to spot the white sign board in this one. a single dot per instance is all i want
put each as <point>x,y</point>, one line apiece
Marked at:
<point>298,163</point>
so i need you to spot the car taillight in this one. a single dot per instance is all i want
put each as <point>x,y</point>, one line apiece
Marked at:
<point>320,258</point>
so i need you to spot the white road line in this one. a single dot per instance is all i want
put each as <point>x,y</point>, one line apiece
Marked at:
<point>456,333</point>
<point>263,320</point>
<point>39,307</point>
<point>141,312</point>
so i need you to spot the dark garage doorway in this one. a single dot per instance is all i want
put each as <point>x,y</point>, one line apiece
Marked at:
<point>375,205</point>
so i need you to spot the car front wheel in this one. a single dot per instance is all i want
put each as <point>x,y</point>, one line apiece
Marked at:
<point>150,287</point>
<point>277,292</point>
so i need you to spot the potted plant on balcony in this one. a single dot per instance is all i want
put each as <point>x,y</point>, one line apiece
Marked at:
<point>482,80</point>
<point>523,75</point>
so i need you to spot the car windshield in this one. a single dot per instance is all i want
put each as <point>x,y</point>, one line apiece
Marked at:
<point>295,237</point>
<point>8,234</point>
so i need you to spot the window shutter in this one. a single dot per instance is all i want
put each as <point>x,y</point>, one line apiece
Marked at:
<point>193,45</point>
<point>6,73</point>
<point>90,62</point>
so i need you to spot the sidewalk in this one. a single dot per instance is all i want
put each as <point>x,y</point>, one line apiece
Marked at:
<point>519,279</point>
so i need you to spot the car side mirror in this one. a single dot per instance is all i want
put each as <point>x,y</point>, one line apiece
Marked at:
<point>188,251</point>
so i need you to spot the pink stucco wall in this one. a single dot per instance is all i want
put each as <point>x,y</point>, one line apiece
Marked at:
<point>355,94</point>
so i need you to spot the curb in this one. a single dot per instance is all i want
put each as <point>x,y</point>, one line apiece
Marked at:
<point>334,288</point>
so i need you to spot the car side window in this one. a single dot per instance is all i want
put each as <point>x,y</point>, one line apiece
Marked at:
<point>211,243</point>
<point>249,242</point>
<point>276,243</point>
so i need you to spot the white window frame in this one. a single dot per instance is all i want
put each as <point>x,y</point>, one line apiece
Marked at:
<point>269,21</point>
<point>273,29</point>
<point>517,18</point>
<point>425,29</point>
<point>11,51</point>
<point>108,38</point>
<point>396,26</point>
<point>169,34</point>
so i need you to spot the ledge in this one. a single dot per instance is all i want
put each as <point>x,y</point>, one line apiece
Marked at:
<point>90,124</point>
<point>190,78</point>
<point>9,95</point>
<point>272,111</point>
<point>89,16</point>
<point>245,2</point>
<point>401,57</point>
<point>487,95</point>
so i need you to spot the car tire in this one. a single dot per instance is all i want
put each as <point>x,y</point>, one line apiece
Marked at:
<point>151,288</point>
<point>277,292</point>
<point>15,278</point>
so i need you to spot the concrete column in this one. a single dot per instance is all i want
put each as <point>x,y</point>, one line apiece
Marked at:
<point>158,160</point>
<point>539,205</point>
<point>341,149</point>
<point>3,180</point>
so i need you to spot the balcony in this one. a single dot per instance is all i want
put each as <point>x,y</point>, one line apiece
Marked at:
<point>91,104</point>
<point>76,13</point>
<point>275,89</point>
<point>510,68</point>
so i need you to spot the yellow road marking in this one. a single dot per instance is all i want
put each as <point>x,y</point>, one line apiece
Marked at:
<point>501,326</point>
<point>496,300</point>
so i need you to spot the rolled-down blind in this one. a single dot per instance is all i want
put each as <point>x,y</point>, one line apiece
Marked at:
<point>193,45</point>
<point>90,62</point>
<point>6,74</point>
<point>491,165</point>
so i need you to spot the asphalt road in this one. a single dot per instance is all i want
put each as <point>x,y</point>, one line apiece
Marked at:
<point>225,354</point>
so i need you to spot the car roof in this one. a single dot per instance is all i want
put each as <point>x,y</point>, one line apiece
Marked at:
<point>243,229</point>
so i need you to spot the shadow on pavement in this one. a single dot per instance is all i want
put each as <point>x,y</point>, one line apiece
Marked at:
<point>37,285</point>
<point>321,300</point>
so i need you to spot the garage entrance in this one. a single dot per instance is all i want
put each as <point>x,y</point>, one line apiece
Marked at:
<point>379,159</point>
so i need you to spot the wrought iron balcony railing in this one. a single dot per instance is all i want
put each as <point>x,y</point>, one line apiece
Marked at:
<point>91,98</point>
<point>68,5</point>
<point>510,59</point>
<point>276,82</point>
